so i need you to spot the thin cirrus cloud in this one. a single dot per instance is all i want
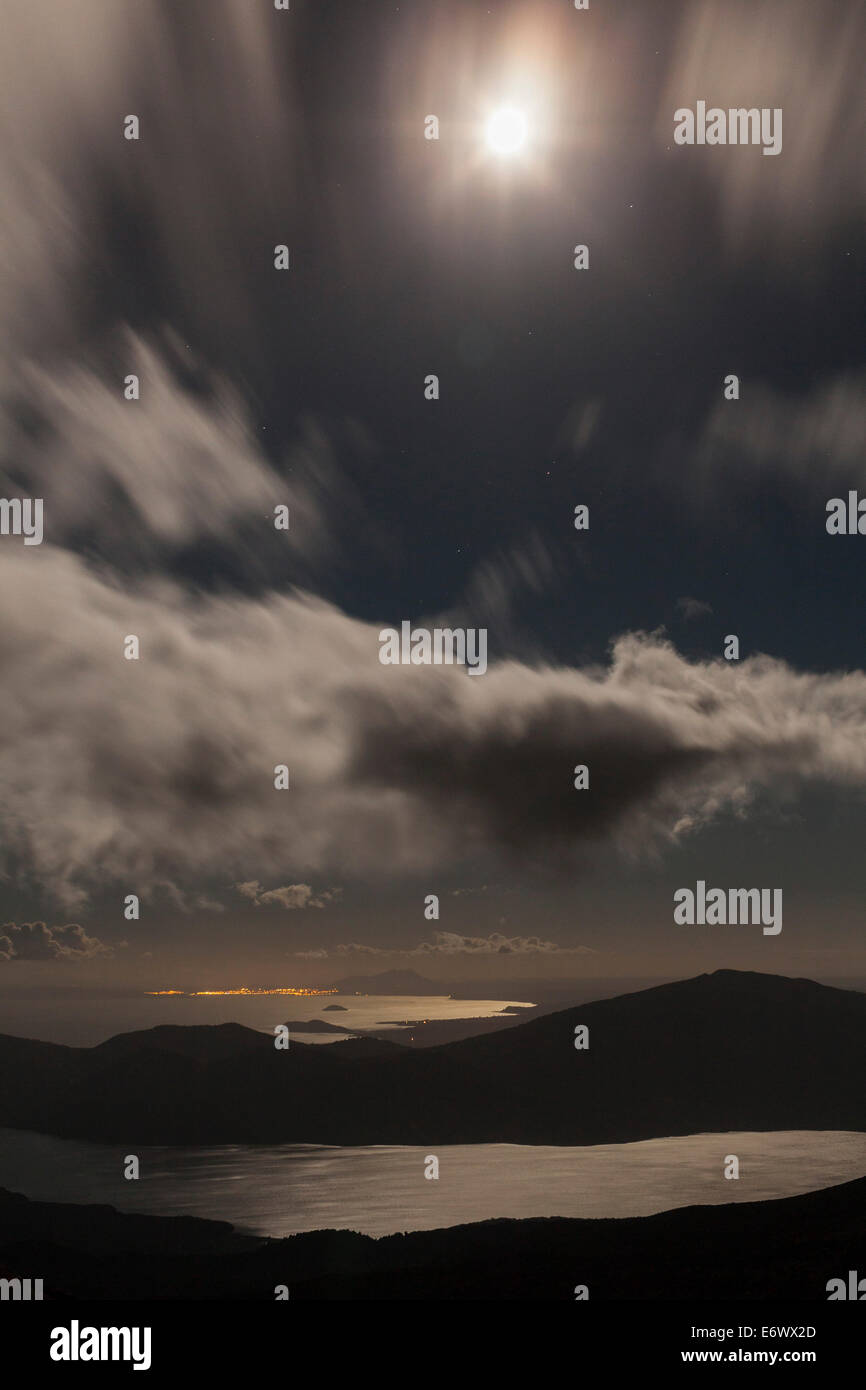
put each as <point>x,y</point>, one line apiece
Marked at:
<point>810,441</point>
<point>135,481</point>
<point>163,768</point>
<point>68,77</point>
<point>787,54</point>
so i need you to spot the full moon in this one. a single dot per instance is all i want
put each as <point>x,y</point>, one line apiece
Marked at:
<point>506,130</point>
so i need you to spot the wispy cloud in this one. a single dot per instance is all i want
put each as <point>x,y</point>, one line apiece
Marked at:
<point>779,54</point>
<point>808,442</point>
<point>292,897</point>
<point>446,943</point>
<point>692,608</point>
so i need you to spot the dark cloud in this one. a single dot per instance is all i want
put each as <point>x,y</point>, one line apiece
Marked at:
<point>162,769</point>
<point>34,941</point>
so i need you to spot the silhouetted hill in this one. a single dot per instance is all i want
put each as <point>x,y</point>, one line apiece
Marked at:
<point>205,1042</point>
<point>785,1249</point>
<point>316,1025</point>
<point>103,1229</point>
<point>727,1051</point>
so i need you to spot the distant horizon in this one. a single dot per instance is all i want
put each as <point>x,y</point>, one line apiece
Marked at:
<point>88,1015</point>
<point>332,986</point>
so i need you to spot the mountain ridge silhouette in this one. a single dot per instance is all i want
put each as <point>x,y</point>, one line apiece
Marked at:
<point>730,1050</point>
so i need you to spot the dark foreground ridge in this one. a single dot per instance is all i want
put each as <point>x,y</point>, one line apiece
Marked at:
<point>728,1051</point>
<point>785,1249</point>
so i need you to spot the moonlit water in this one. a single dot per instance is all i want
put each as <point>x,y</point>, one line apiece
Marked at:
<point>84,1020</point>
<point>281,1189</point>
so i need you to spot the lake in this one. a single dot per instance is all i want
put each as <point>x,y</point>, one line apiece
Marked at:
<point>281,1189</point>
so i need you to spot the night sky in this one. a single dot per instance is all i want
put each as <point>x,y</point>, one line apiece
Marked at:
<point>306,387</point>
